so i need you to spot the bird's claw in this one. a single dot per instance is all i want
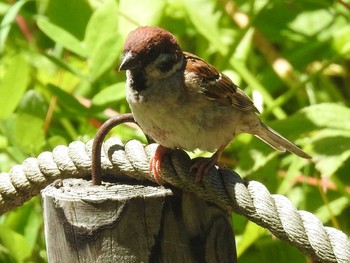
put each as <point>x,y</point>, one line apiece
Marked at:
<point>201,166</point>
<point>155,161</point>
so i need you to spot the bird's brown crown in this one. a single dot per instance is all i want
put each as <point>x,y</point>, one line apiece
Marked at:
<point>147,42</point>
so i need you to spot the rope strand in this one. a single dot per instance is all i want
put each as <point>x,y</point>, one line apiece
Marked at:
<point>222,187</point>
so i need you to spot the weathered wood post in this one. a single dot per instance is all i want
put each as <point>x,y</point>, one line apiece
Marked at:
<point>133,222</point>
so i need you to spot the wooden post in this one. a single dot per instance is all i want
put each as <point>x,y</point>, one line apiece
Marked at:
<point>130,222</point>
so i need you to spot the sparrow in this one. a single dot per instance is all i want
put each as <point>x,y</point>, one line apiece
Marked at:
<point>182,101</point>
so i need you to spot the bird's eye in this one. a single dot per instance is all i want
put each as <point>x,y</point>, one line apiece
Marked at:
<point>165,61</point>
<point>152,53</point>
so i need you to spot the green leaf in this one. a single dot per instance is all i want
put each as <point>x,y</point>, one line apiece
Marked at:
<point>337,206</point>
<point>66,66</point>
<point>268,250</point>
<point>328,131</point>
<point>33,103</point>
<point>102,24</point>
<point>25,220</point>
<point>12,84</point>
<point>209,28</point>
<point>69,15</point>
<point>33,227</point>
<point>28,133</point>
<point>330,137</point>
<point>62,37</point>
<point>17,245</point>
<point>4,8</point>
<point>341,41</point>
<point>102,39</point>
<point>244,47</point>
<point>8,20</point>
<point>56,140</point>
<point>3,142</point>
<point>324,115</point>
<point>67,100</point>
<point>109,95</point>
<point>275,19</point>
<point>332,150</point>
<point>316,20</point>
<point>134,13</point>
<point>292,172</point>
<point>255,84</point>
<point>251,234</point>
<point>330,115</point>
<point>104,56</point>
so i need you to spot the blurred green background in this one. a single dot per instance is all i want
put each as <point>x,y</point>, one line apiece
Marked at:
<point>58,83</point>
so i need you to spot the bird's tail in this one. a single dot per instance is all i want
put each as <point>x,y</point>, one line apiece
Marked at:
<point>278,142</point>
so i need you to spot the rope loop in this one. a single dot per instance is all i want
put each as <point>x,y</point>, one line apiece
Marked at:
<point>222,187</point>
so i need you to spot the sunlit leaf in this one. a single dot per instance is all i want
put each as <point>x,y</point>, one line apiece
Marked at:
<point>315,117</point>
<point>315,19</point>
<point>209,28</point>
<point>104,56</point>
<point>33,103</point>
<point>267,250</point>
<point>17,245</point>
<point>103,40</point>
<point>63,65</point>
<point>251,234</point>
<point>70,15</point>
<point>332,149</point>
<point>29,133</point>
<point>102,24</point>
<point>67,99</point>
<point>62,37</point>
<point>12,84</point>
<point>342,41</point>
<point>133,14</point>
<point>337,207</point>
<point>8,20</point>
<point>109,94</point>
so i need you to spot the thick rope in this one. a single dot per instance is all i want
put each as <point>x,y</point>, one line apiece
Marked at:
<point>225,188</point>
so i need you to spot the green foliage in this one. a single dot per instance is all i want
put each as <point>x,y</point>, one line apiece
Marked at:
<point>15,68</point>
<point>58,83</point>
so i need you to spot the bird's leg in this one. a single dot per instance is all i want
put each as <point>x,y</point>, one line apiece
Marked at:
<point>202,165</point>
<point>154,163</point>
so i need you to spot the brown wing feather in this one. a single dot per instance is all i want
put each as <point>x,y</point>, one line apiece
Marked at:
<point>217,86</point>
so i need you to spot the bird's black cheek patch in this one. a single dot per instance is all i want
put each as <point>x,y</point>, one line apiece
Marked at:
<point>138,81</point>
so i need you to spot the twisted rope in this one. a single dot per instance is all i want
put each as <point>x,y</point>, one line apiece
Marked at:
<point>222,187</point>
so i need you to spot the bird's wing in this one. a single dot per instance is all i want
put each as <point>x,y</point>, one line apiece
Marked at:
<point>215,85</point>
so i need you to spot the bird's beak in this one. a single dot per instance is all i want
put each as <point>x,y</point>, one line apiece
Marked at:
<point>129,61</point>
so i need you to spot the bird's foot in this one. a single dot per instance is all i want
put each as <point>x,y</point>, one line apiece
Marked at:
<point>202,165</point>
<point>154,163</point>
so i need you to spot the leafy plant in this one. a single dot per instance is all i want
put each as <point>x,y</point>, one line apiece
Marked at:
<point>58,83</point>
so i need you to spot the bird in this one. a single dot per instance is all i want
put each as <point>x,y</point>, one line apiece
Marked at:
<point>183,102</point>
